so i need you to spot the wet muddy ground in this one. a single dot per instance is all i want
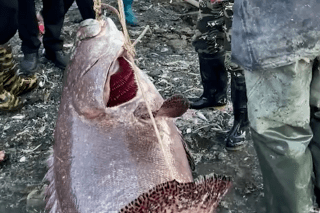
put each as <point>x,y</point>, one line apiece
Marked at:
<point>165,53</point>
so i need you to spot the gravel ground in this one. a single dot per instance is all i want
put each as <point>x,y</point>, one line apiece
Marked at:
<point>165,53</point>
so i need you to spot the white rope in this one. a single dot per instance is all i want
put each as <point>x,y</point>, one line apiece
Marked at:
<point>131,52</point>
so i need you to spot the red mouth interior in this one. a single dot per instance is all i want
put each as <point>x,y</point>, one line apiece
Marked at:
<point>122,85</point>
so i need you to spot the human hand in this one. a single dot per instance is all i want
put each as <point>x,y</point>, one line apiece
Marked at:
<point>2,155</point>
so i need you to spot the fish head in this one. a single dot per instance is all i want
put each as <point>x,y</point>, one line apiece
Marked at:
<point>99,75</point>
<point>102,76</point>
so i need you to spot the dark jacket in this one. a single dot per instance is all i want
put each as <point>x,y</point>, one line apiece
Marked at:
<point>272,33</point>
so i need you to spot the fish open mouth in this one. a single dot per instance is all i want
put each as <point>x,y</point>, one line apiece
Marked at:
<point>123,86</point>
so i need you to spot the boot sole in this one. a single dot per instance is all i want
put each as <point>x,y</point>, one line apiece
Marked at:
<point>28,73</point>
<point>237,148</point>
<point>211,107</point>
<point>133,24</point>
<point>54,62</point>
<point>29,90</point>
<point>220,107</point>
<point>12,110</point>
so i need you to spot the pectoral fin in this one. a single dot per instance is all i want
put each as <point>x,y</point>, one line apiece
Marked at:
<point>173,107</point>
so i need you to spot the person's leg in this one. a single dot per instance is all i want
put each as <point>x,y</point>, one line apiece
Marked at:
<point>315,150</point>
<point>28,27</point>
<point>67,4</point>
<point>214,79</point>
<point>236,137</point>
<point>315,85</point>
<point>209,43</point>
<point>8,20</point>
<point>315,125</point>
<point>28,32</point>
<point>86,9</point>
<point>8,27</point>
<point>279,115</point>
<point>12,82</point>
<point>130,17</point>
<point>53,16</point>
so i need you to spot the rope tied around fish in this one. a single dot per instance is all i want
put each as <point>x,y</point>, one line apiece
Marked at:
<point>129,46</point>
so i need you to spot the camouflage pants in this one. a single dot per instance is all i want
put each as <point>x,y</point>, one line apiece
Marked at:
<point>213,33</point>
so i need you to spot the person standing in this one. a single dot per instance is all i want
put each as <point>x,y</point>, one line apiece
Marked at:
<point>130,17</point>
<point>53,15</point>
<point>11,85</point>
<point>212,42</point>
<point>86,10</point>
<point>278,45</point>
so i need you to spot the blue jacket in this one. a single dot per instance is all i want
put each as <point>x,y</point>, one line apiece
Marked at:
<point>272,33</point>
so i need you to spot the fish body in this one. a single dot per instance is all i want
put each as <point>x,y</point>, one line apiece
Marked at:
<point>106,153</point>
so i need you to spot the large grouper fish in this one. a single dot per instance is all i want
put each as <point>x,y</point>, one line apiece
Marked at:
<point>106,156</point>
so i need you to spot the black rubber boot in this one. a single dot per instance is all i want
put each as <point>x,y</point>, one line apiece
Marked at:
<point>59,58</point>
<point>315,149</point>
<point>29,64</point>
<point>236,138</point>
<point>214,81</point>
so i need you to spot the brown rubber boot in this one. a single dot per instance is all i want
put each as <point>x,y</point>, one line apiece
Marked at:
<point>8,101</point>
<point>13,83</point>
